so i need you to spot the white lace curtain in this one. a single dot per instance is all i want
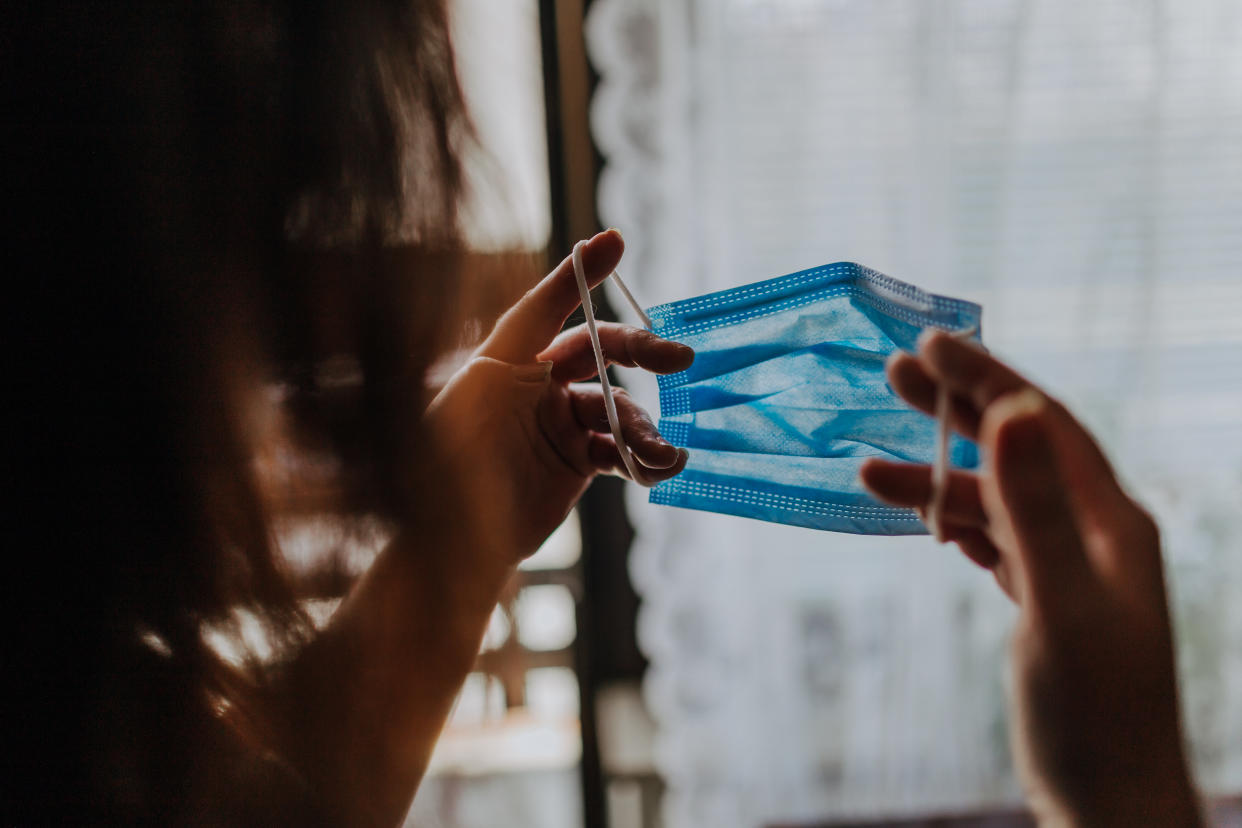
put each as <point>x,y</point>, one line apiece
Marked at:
<point>1076,168</point>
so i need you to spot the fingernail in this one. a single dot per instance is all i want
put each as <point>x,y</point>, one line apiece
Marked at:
<point>927,336</point>
<point>1027,402</point>
<point>534,372</point>
<point>603,233</point>
<point>681,349</point>
<point>683,453</point>
<point>1019,417</point>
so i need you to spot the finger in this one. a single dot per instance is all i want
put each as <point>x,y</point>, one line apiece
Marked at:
<point>574,359</point>
<point>1004,579</point>
<point>912,383</point>
<point>606,458</point>
<point>530,325</point>
<point>967,370</point>
<point>974,544</point>
<point>1027,502</point>
<point>904,484</point>
<point>640,434</point>
<point>971,373</point>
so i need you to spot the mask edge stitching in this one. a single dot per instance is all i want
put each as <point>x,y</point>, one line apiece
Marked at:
<point>886,306</point>
<point>736,494</point>
<point>669,311</point>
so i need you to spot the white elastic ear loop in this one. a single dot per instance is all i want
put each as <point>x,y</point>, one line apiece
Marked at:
<point>610,407</point>
<point>629,297</point>
<point>940,469</point>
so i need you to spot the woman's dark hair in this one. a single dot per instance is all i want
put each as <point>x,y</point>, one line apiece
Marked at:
<point>205,198</point>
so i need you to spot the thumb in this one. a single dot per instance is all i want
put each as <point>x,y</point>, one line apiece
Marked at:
<point>486,388</point>
<point>1027,501</point>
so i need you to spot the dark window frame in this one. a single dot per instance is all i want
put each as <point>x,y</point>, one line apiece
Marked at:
<point>606,648</point>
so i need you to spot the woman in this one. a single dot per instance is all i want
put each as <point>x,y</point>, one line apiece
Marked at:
<point>233,238</point>
<point>237,236</point>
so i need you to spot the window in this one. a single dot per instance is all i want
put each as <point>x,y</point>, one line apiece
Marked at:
<point>1077,169</point>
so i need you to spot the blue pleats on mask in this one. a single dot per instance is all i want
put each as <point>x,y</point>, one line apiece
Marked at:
<point>787,397</point>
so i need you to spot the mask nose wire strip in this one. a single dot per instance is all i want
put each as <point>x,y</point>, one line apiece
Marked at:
<point>610,407</point>
<point>940,469</point>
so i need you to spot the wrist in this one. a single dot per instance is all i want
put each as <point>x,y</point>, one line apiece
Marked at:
<point>1174,804</point>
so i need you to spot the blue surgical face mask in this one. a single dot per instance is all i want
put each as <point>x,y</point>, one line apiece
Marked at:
<point>787,397</point>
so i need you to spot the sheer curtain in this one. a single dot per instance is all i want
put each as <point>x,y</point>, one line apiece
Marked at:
<point>1077,169</point>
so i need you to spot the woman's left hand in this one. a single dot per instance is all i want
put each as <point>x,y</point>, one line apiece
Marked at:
<point>524,438</point>
<point>1094,719</point>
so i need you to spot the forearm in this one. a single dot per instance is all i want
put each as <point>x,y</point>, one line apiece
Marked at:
<point>374,691</point>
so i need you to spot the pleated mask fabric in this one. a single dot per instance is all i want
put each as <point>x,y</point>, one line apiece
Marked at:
<point>787,397</point>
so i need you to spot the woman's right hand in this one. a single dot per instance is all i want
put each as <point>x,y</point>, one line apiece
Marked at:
<point>1095,721</point>
<point>520,426</point>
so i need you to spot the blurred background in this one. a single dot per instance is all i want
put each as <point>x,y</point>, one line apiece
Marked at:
<point>1074,167</point>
